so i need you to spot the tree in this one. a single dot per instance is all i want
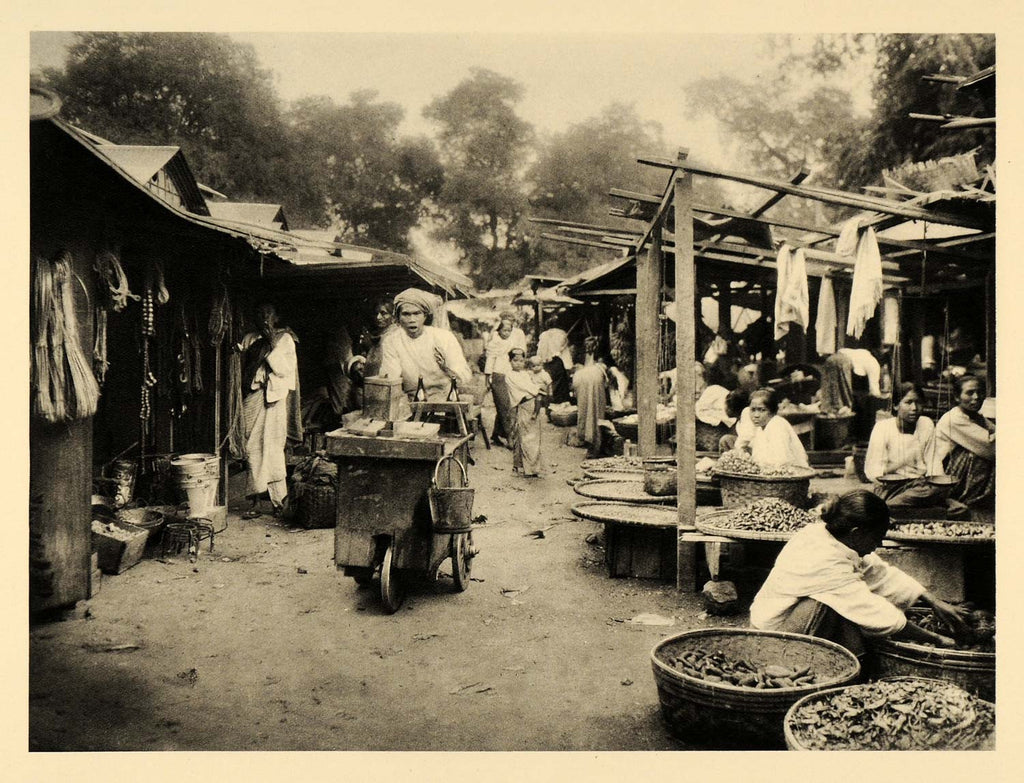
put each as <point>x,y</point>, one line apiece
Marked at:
<point>200,91</point>
<point>484,147</point>
<point>375,186</point>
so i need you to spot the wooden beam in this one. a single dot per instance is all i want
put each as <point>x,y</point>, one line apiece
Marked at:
<point>621,213</point>
<point>826,195</point>
<point>648,290</point>
<point>576,241</point>
<point>567,225</point>
<point>632,195</point>
<point>685,287</point>
<point>659,214</point>
<point>771,201</point>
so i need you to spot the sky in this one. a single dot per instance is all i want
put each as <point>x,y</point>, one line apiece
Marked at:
<point>566,77</point>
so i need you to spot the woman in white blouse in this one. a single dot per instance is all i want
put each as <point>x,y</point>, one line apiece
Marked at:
<point>827,581</point>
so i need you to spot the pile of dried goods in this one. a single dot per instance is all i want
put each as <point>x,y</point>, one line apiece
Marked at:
<point>979,635</point>
<point>768,515</point>
<point>111,530</point>
<point>894,715</point>
<point>717,667</point>
<point>734,463</point>
<point>947,529</point>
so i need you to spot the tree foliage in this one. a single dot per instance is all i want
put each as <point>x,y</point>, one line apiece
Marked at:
<point>200,91</point>
<point>484,147</point>
<point>374,185</point>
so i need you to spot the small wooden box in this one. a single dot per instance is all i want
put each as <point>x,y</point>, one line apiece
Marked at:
<point>118,553</point>
<point>383,398</point>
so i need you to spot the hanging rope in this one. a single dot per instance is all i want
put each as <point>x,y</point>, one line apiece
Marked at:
<point>113,280</point>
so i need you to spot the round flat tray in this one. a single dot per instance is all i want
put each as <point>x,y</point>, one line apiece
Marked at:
<point>711,524</point>
<point>629,514</point>
<point>895,534</point>
<point>618,463</point>
<point>614,474</point>
<point>806,473</point>
<point>625,491</point>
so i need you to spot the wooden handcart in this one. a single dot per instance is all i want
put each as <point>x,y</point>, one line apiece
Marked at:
<point>403,507</point>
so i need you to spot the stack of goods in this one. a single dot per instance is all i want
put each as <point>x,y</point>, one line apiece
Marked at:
<point>898,714</point>
<point>734,463</point>
<point>768,515</point>
<point>313,487</point>
<point>718,667</point>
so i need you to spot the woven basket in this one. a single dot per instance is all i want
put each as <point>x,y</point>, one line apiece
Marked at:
<point>832,433</point>
<point>707,435</point>
<point>316,504</point>
<point>742,490</point>
<point>715,524</point>
<point>621,491</point>
<point>564,418</point>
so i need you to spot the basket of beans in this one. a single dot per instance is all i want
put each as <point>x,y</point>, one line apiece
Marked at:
<point>743,481</point>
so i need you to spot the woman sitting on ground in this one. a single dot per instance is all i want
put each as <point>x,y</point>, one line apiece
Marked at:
<point>964,446</point>
<point>828,583</point>
<point>773,441</point>
<point>896,450</point>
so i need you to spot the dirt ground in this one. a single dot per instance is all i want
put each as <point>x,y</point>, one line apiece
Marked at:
<point>263,645</point>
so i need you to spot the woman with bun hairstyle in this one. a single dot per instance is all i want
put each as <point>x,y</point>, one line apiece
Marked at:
<point>827,581</point>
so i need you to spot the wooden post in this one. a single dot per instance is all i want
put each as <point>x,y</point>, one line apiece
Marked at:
<point>218,400</point>
<point>990,334</point>
<point>725,309</point>
<point>842,293</point>
<point>685,333</point>
<point>648,288</point>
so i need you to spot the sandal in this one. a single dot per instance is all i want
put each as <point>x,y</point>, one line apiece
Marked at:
<point>251,514</point>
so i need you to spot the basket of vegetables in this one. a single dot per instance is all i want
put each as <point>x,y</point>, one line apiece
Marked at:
<point>731,687</point>
<point>898,713</point>
<point>743,481</point>
<point>766,519</point>
<point>970,665</point>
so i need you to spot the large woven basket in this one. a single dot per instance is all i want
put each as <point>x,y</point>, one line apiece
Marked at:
<point>316,504</point>
<point>832,432</point>
<point>722,715</point>
<point>564,418</point>
<point>707,435</point>
<point>743,489</point>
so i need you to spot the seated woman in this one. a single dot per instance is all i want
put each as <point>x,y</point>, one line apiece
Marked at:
<point>773,441</point>
<point>964,446</point>
<point>827,582</point>
<point>422,354</point>
<point>896,449</point>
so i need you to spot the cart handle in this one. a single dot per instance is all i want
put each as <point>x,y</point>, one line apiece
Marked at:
<point>465,476</point>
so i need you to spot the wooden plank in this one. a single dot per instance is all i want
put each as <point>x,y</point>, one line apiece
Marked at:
<point>389,448</point>
<point>577,241</point>
<point>566,224</point>
<point>648,290</point>
<point>632,195</point>
<point>685,288</point>
<point>826,195</point>
<point>771,201</point>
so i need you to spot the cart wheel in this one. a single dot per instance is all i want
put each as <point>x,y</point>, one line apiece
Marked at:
<point>390,595</point>
<point>462,559</point>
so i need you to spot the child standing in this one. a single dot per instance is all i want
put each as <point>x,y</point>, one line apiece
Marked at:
<point>528,391</point>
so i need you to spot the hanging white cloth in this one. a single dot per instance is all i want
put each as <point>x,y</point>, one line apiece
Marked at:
<point>792,302</point>
<point>826,322</point>
<point>867,273</point>
<point>890,321</point>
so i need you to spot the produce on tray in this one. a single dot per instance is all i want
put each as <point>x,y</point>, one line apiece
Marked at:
<point>979,635</point>
<point>735,463</point>
<point>945,528</point>
<point>717,667</point>
<point>893,715</point>
<point>768,514</point>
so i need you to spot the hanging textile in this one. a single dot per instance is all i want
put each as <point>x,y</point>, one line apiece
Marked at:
<point>890,321</point>
<point>867,273</point>
<point>792,302</point>
<point>825,324</point>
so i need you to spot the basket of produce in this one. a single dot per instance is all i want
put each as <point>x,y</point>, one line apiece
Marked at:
<point>118,545</point>
<point>563,415</point>
<point>624,491</point>
<point>313,491</point>
<point>971,664</point>
<point>898,713</point>
<point>618,462</point>
<point>660,477</point>
<point>766,519</point>
<point>706,436</point>
<point>832,431</point>
<point>743,481</point>
<point>628,514</point>
<point>731,687</point>
<point>941,531</point>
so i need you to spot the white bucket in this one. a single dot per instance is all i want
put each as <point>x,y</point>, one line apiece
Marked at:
<point>196,465</point>
<point>201,493</point>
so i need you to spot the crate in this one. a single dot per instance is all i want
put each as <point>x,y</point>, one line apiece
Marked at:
<point>117,555</point>
<point>384,399</point>
<point>316,504</point>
